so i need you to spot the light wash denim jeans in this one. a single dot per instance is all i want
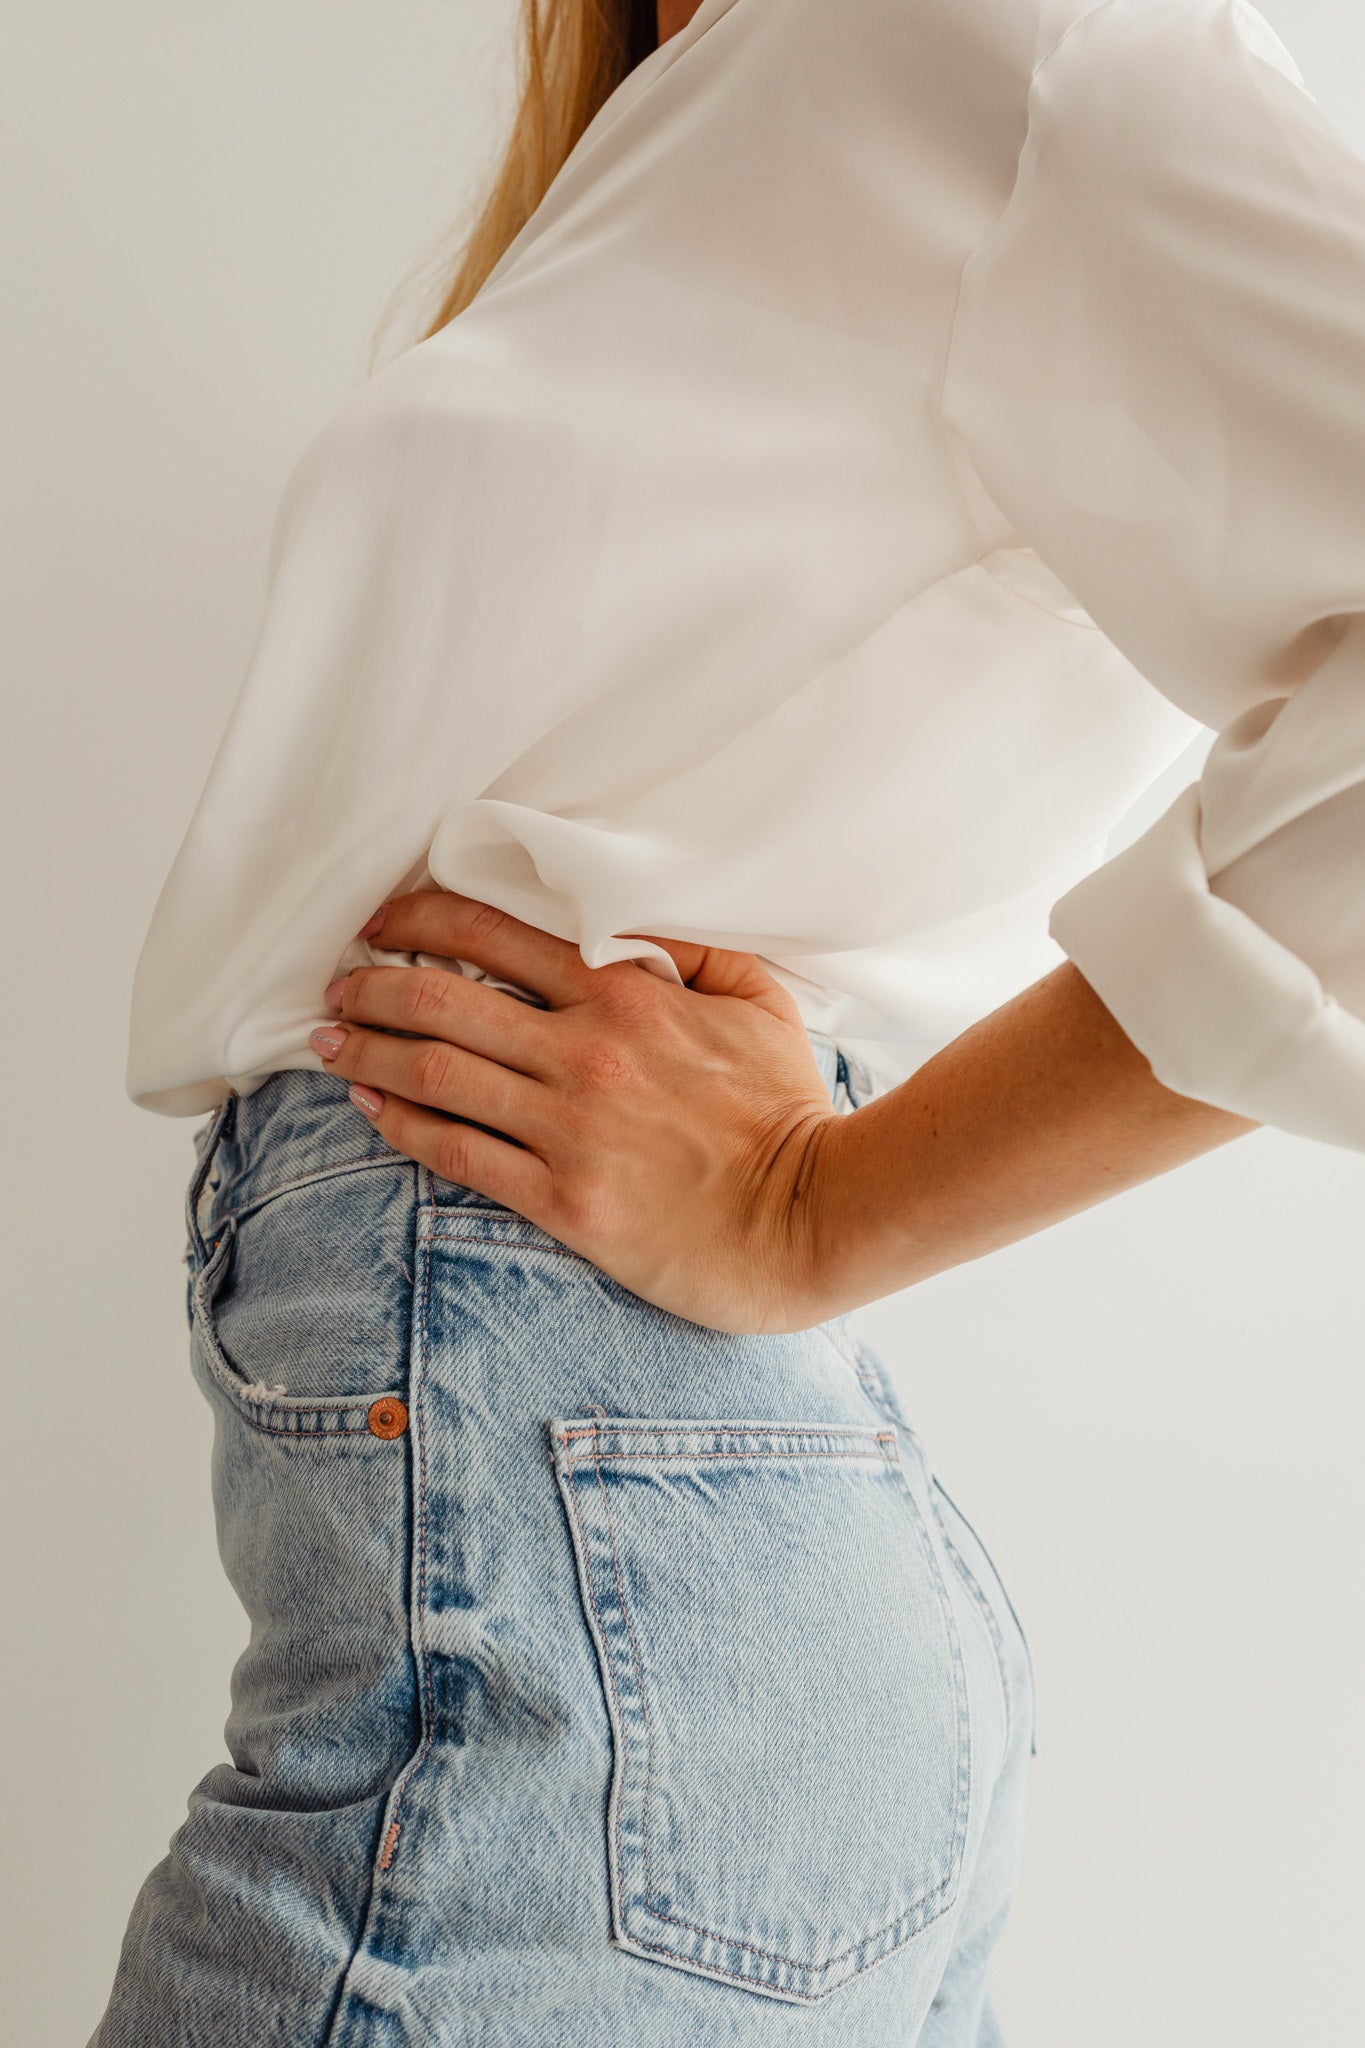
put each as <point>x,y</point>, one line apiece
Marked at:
<point>612,1682</point>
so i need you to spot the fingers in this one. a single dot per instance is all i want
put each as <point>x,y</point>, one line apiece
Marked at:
<point>434,1003</point>
<point>512,1178</point>
<point>458,928</point>
<point>443,1076</point>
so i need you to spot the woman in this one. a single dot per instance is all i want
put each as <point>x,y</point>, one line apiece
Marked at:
<point>859,446</point>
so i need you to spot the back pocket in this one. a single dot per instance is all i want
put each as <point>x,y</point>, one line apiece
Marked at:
<point>786,1693</point>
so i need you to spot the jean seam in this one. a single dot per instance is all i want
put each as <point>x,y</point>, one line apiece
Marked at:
<point>419,1600</point>
<point>748,1457</point>
<point>721,1427</point>
<point>525,1244</point>
<point>974,1587</point>
<point>330,1171</point>
<point>855,1359</point>
<point>943,1493</point>
<point>387,1825</point>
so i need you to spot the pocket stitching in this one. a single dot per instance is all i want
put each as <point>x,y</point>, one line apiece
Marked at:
<point>855,1360</point>
<point>974,1587</point>
<point>744,1457</point>
<point>301,1409</point>
<point>330,1171</point>
<point>945,1889</point>
<point>529,1244</point>
<point>793,1430</point>
<point>937,1492</point>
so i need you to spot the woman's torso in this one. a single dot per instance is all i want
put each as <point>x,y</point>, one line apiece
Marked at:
<point>653,595</point>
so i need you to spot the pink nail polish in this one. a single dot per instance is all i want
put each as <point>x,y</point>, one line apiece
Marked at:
<point>331,995</point>
<point>328,1040</point>
<point>366,1099</point>
<point>368,930</point>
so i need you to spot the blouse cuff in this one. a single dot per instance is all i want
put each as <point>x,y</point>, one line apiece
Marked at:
<point>1221,1010</point>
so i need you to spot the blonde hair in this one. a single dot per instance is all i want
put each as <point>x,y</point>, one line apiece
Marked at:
<point>574,54</point>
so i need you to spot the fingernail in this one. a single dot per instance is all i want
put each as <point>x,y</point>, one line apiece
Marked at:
<point>327,1040</point>
<point>367,931</point>
<point>331,995</point>
<point>366,1099</point>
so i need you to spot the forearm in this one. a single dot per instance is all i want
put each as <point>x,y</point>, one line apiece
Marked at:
<point>1040,1110</point>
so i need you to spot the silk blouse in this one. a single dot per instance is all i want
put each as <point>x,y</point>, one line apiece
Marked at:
<point>901,428</point>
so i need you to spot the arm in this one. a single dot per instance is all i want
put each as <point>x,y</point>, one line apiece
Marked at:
<point>1042,1109</point>
<point>1157,374</point>
<point>682,1138</point>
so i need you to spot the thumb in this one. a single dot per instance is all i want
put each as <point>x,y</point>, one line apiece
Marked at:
<point>714,971</point>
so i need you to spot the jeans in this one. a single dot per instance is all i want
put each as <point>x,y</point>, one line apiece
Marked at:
<point>612,1682</point>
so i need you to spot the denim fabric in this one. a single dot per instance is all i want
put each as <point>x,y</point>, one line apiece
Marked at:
<point>610,1680</point>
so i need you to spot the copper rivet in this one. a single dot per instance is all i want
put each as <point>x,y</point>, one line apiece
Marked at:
<point>388,1418</point>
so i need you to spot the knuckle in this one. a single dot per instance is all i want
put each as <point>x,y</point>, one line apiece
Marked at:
<point>431,1069</point>
<point>425,994</point>
<point>581,1205</point>
<point>633,1000</point>
<point>627,990</point>
<point>452,1155</point>
<point>484,921</point>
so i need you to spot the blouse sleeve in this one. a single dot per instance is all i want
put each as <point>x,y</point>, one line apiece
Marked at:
<point>1158,372</point>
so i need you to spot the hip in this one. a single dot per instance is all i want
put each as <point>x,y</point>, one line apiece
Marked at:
<point>681,1615</point>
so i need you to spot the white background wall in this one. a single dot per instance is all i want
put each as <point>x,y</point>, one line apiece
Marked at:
<point>1153,1413</point>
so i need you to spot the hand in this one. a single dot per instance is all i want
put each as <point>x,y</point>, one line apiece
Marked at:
<point>674,1136</point>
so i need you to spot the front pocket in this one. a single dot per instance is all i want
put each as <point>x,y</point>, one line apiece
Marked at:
<point>786,1693</point>
<point>301,1313</point>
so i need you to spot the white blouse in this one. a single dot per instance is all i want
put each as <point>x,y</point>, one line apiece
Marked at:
<point>902,425</point>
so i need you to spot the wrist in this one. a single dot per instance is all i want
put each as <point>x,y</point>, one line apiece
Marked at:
<point>860,1222</point>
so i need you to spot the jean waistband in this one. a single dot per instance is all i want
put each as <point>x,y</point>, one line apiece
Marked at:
<point>299,1126</point>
